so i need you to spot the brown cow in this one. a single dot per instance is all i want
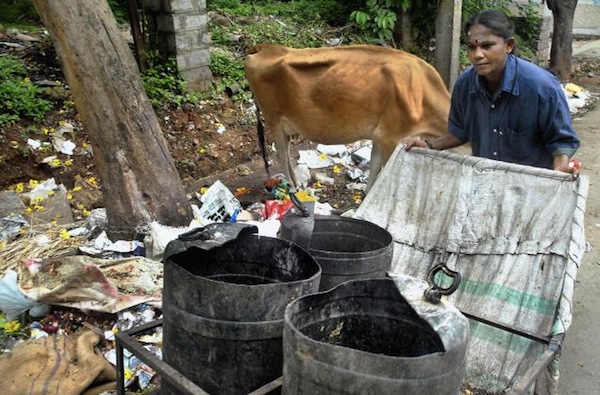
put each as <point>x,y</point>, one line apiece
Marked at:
<point>339,95</point>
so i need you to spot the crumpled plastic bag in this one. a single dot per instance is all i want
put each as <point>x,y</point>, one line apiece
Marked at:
<point>218,204</point>
<point>13,302</point>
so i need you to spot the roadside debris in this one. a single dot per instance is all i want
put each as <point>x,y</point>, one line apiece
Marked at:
<point>75,267</point>
<point>59,276</point>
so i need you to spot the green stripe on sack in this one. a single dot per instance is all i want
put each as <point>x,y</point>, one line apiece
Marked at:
<point>504,294</point>
<point>504,340</point>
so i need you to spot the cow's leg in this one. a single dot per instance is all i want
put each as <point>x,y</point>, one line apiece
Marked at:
<point>379,157</point>
<point>282,143</point>
<point>375,165</point>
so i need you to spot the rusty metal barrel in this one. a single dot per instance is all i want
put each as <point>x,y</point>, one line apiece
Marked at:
<point>363,337</point>
<point>346,248</point>
<point>223,310</point>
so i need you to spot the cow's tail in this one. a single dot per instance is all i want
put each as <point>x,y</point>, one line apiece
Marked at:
<point>260,129</point>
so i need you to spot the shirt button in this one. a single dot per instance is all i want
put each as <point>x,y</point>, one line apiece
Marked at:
<point>495,153</point>
<point>493,106</point>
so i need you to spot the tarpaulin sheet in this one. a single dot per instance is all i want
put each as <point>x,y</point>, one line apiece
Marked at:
<point>514,232</point>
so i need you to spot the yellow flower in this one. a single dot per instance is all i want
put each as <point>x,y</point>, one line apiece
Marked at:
<point>55,162</point>
<point>45,130</point>
<point>36,200</point>
<point>39,208</point>
<point>128,374</point>
<point>77,189</point>
<point>64,234</point>
<point>92,181</point>
<point>19,188</point>
<point>203,190</point>
<point>28,210</point>
<point>61,111</point>
<point>241,191</point>
<point>86,212</point>
<point>61,123</point>
<point>68,162</point>
<point>323,156</point>
<point>33,183</point>
<point>69,196</point>
<point>12,327</point>
<point>336,169</point>
<point>26,80</point>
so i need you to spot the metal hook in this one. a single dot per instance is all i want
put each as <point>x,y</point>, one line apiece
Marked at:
<point>434,293</point>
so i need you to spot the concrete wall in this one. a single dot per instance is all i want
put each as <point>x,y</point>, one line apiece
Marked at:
<point>587,19</point>
<point>179,29</point>
<point>586,25</point>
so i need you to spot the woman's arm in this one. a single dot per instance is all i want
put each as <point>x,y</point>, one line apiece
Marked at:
<point>446,141</point>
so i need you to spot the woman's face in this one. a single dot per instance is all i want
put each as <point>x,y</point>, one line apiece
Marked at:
<point>488,52</point>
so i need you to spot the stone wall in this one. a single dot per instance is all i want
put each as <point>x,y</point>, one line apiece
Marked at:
<point>586,23</point>
<point>179,29</point>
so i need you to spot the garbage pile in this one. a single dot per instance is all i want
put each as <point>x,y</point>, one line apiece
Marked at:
<point>66,281</point>
<point>59,281</point>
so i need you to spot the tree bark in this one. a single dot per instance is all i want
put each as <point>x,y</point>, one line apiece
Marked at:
<point>140,182</point>
<point>403,31</point>
<point>563,12</point>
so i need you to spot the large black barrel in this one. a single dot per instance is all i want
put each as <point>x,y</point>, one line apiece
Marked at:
<point>223,311</point>
<point>346,248</point>
<point>363,337</point>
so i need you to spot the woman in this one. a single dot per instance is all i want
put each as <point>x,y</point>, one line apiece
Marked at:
<point>507,108</point>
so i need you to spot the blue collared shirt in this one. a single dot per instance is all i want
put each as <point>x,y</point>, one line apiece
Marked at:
<point>527,123</point>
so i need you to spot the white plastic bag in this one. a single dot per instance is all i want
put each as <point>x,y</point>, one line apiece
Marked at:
<point>13,302</point>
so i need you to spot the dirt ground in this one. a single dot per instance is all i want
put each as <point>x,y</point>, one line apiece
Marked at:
<point>203,139</point>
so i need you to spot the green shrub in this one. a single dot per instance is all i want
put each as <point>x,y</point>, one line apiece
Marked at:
<point>162,82</point>
<point>226,68</point>
<point>18,96</point>
<point>20,12</point>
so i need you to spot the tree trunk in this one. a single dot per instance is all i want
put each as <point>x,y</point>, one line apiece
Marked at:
<point>403,31</point>
<point>563,12</point>
<point>139,180</point>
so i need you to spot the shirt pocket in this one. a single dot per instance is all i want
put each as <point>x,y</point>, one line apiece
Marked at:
<point>521,144</point>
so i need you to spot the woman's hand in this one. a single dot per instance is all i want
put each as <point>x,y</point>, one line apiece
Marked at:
<point>416,142</point>
<point>562,164</point>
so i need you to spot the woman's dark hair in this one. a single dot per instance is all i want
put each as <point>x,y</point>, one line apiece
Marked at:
<point>495,20</point>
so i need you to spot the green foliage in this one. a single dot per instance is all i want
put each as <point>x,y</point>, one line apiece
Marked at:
<point>20,12</point>
<point>332,12</point>
<point>119,9</point>
<point>18,96</point>
<point>377,20</point>
<point>163,84</point>
<point>226,69</point>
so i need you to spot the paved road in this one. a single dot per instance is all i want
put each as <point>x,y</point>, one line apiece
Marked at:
<point>580,361</point>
